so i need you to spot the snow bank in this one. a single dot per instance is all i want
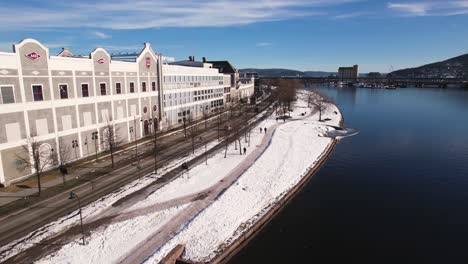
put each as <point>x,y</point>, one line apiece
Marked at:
<point>106,245</point>
<point>90,212</point>
<point>295,147</point>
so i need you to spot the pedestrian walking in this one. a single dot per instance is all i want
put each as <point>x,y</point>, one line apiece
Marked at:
<point>245,150</point>
<point>265,130</point>
<point>261,130</point>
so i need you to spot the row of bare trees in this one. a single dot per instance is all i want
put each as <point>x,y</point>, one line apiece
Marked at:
<point>38,156</point>
<point>285,91</point>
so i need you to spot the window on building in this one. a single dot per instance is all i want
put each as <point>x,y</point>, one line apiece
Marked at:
<point>153,86</point>
<point>84,90</point>
<point>103,88</point>
<point>118,88</point>
<point>37,93</point>
<point>8,96</point>
<point>143,86</point>
<point>63,89</point>
<point>132,87</point>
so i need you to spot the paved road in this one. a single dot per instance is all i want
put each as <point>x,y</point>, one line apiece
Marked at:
<point>20,224</point>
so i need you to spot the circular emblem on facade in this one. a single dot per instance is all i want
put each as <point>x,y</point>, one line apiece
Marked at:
<point>154,108</point>
<point>101,61</point>
<point>145,109</point>
<point>148,62</point>
<point>33,56</point>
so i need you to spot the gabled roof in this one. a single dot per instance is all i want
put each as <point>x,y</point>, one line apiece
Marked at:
<point>65,53</point>
<point>223,66</point>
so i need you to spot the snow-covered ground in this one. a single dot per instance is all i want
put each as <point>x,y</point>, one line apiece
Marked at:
<point>294,147</point>
<point>109,243</point>
<point>90,212</point>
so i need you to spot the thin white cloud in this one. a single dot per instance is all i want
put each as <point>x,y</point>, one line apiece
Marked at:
<point>351,15</point>
<point>101,35</point>
<point>263,44</point>
<point>142,14</point>
<point>430,8</point>
<point>418,9</point>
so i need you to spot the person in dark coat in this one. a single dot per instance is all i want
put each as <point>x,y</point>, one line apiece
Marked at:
<point>261,130</point>
<point>265,130</point>
<point>245,150</point>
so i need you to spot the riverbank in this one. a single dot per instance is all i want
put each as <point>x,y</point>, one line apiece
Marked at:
<point>211,206</point>
<point>244,240</point>
<point>295,152</point>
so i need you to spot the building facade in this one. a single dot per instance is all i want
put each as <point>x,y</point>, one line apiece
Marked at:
<point>348,73</point>
<point>69,102</point>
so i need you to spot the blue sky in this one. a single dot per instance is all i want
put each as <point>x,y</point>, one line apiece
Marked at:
<point>295,34</point>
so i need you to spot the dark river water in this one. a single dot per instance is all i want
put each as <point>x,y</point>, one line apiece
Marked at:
<point>395,193</point>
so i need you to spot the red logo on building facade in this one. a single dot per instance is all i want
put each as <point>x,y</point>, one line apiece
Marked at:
<point>33,56</point>
<point>101,61</point>
<point>148,62</point>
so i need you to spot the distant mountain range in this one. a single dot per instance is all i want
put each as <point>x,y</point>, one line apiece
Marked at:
<point>287,73</point>
<point>452,68</point>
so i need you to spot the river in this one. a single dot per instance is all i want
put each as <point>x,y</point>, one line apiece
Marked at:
<point>396,192</point>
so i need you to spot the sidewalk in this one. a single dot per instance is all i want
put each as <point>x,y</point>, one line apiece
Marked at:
<point>200,201</point>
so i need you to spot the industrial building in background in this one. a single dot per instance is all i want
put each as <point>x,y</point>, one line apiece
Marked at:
<point>348,74</point>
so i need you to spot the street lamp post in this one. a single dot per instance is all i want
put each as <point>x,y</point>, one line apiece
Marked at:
<point>71,197</point>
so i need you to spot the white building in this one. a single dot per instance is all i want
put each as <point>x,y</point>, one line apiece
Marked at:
<point>64,101</point>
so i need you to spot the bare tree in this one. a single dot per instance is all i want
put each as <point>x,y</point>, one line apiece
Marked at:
<point>319,102</point>
<point>205,117</point>
<point>37,157</point>
<point>184,119</point>
<point>238,135</point>
<point>109,139</point>
<point>219,122</point>
<point>193,132</point>
<point>227,134</point>
<point>287,93</point>
<point>64,156</point>
<point>155,142</point>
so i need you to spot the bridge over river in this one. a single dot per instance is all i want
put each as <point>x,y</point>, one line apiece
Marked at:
<point>399,82</point>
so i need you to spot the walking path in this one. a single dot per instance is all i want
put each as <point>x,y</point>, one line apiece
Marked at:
<point>156,240</point>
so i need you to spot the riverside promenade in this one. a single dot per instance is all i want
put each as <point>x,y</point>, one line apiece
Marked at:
<point>199,202</point>
<point>208,208</point>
